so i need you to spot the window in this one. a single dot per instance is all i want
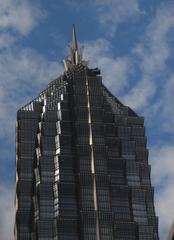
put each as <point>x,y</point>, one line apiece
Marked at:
<point>80,101</point>
<point>86,198</point>
<point>128,149</point>
<point>110,129</point>
<point>120,203</point>
<point>50,116</point>
<point>26,149</point>
<point>25,168</point>
<point>139,206</point>
<point>132,173</point>
<point>108,117</point>
<point>142,156</point>
<point>137,131</point>
<point>140,142</point>
<point>113,145</point>
<point>145,174</point>
<point>103,199</point>
<point>82,128</point>
<point>146,232</point>
<point>124,231</point>
<point>46,229</point>
<point>124,132</point>
<point>96,114</point>
<point>62,115</point>
<point>96,100</point>
<point>81,113</point>
<point>135,120</point>
<point>49,128</point>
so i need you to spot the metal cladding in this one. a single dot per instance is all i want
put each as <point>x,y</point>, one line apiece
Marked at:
<point>82,165</point>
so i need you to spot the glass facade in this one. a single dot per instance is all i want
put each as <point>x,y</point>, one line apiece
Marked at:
<point>82,165</point>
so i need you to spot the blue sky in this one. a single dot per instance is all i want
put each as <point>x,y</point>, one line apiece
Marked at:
<point>132,43</point>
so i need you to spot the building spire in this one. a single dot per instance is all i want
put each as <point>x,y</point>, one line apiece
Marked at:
<point>74,44</point>
<point>75,53</point>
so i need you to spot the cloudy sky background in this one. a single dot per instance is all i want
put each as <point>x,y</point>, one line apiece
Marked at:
<point>132,41</point>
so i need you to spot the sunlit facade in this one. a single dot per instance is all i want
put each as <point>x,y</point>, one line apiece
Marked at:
<point>82,163</point>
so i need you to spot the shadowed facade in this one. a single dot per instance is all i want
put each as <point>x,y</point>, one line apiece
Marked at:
<point>82,163</point>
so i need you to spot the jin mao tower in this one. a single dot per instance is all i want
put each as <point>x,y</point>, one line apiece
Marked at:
<point>82,169</point>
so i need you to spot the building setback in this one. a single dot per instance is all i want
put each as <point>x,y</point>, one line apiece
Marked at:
<point>82,169</point>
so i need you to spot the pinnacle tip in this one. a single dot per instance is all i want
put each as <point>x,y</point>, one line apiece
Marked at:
<point>74,38</point>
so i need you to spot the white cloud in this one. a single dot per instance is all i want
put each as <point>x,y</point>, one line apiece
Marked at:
<point>160,112</point>
<point>138,96</point>
<point>152,53</point>
<point>113,12</point>
<point>162,161</point>
<point>163,108</point>
<point>114,70</point>
<point>7,210</point>
<point>163,177</point>
<point>157,50</point>
<point>19,15</point>
<point>164,208</point>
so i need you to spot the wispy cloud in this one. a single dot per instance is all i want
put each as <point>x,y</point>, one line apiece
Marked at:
<point>7,196</point>
<point>139,95</point>
<point>162,160</point>
<point>162,107</point>
<point>163,177</point>
<point>113,12</point>
<point>19,15</point>
<point>152,54</point>
<point>165,106</point>
<point>115,71</point>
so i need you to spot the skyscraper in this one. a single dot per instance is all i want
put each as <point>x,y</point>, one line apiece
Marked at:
<point>82,163</point>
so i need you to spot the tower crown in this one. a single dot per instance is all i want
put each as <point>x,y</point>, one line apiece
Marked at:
<point>75,52</point>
